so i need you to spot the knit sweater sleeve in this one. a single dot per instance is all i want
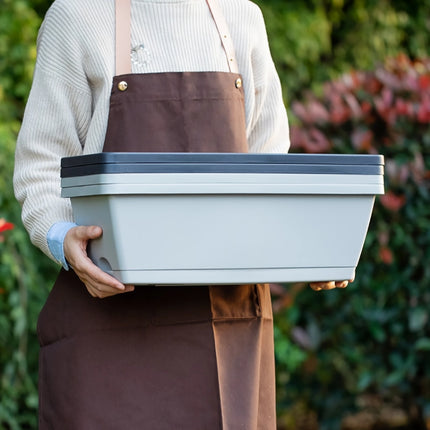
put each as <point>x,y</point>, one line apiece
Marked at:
<point>267,125</point>
<point>55,123</point>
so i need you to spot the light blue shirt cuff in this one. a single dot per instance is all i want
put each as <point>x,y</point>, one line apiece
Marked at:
<point>55,237</point>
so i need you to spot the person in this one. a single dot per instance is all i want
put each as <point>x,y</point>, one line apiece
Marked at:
<point>152,76</point>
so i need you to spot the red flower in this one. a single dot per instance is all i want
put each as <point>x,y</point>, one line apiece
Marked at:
<point>5,225</point>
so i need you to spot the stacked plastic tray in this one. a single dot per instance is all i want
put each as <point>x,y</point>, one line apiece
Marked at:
<point>185,218</point>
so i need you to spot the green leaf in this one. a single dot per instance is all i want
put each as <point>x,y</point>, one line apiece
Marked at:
<point>423,344</point>
<point>418,318</point>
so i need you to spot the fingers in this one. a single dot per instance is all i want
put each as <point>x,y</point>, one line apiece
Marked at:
<point>329,285</point>
<point>344,284</point>
<point>86,232</point>
<point>98,283</point>
<point>341,284</point>
<point>318,286</point>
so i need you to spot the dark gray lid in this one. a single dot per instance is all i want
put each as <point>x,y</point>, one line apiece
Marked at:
<point>150,162</point>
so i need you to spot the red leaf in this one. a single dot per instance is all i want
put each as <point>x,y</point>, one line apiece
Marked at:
<point>386,255</point>
<point>366,107</point>
<point>317,112</point>
<point>392,202</point>
<point>362,140</point>
<point>423,114</point>
<point>315,142</point>
<point>300,111</point>
<point>424,82</point>
<point>404,108</point>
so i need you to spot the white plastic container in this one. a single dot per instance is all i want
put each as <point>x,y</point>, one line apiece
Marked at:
<point>201,219</point>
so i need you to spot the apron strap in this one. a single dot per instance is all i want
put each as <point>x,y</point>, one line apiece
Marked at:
<point>224,34</point>
<point>123,36</point>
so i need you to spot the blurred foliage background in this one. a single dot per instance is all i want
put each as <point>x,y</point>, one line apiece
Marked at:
<point>356,79</point>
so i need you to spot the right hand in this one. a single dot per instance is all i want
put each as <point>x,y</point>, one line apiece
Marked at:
<point>98,283</point>
<point>330,285</point>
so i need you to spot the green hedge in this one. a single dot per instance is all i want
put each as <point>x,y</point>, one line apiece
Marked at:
<point>372,338</point>
<point>313,41</point>
<point>25,274</point>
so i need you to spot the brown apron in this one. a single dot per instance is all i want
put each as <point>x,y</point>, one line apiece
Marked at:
<point>161,358</point>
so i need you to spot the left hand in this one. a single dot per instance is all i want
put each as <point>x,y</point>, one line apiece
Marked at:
<point>98,283</point>
<point>329,285</point>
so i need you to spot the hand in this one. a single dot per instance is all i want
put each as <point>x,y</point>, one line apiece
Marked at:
<point>98,283</point>
<point>329,285</point>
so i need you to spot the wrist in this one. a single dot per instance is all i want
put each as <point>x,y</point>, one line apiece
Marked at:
<point>55,238</point>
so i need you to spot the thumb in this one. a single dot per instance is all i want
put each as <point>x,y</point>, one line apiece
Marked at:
<point>89,232</point>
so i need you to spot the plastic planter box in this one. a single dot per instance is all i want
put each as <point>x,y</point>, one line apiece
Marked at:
<point>189,218</point>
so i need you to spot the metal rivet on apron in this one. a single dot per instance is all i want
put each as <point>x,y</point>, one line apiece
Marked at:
<point>122,86</point>
<point>238,83</point>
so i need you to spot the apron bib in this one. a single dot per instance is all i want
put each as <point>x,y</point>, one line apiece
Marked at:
<point>161,358</point>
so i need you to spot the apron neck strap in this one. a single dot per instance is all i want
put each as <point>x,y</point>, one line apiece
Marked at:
<point>224,34</point>
<point>123,36</point>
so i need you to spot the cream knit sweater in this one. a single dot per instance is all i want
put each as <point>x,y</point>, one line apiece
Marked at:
<point>68,106</point>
